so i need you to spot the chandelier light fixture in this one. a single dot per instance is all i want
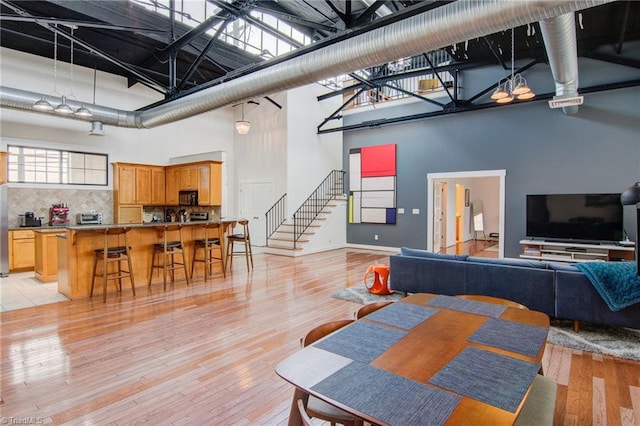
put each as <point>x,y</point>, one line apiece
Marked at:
<point>243,126</point>
<point>515,86</point>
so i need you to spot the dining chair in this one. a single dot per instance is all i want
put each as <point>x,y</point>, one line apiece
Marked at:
<point>490,299</point>
<point>371,307</point>
<point>316,408</point>
<point>211,247</point>
<point>540,406</point>
<point>306,420</point>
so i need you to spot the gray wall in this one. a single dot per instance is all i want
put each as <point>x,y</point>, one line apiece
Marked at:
<point>542,151</point>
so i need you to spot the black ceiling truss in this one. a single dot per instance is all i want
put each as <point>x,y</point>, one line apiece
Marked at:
<point>74,23</point>
<point>421,116</point>
<point>54,29</point>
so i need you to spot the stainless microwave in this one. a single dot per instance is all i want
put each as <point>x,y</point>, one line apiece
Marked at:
<point>188,198</point>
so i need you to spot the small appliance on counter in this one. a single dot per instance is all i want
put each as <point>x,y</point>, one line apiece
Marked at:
<point>29,220</point>
<point>58,215</point>
<point>198,216</point>
<point>89,218</point>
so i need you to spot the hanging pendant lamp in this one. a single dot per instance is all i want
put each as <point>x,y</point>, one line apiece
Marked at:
<point>243,126</point>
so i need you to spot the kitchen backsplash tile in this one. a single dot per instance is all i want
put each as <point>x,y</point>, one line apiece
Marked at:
<point>39,200</point>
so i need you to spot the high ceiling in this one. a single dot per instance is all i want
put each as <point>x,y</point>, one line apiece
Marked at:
<point>125,38</point>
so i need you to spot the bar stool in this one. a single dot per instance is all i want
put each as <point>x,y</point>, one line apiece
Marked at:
<point>240,238</point>
<point>112,254</point>
<point>212,241</point>
<point>165,252</point>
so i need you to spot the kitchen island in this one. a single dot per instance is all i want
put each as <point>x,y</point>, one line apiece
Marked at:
<point>76,253</point>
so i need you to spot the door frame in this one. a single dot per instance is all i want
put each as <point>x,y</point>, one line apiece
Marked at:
<point>501,174</point>
<point>258,241</point>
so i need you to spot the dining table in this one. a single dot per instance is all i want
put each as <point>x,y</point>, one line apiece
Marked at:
<point>425,359</point>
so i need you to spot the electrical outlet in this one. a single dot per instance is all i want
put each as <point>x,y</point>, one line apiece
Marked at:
<point>375,237</point>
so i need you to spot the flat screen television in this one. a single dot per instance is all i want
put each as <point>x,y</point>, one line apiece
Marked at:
<point>592,218</point>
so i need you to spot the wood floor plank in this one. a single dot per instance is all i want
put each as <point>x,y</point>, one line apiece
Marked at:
<point>205,353</point>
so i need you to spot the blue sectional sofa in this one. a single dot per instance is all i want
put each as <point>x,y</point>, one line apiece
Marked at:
<point>557,289</point>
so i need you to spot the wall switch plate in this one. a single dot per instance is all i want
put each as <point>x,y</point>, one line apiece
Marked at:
<point>375,237</point>
<point>400,210</point>
<point>415,211</point>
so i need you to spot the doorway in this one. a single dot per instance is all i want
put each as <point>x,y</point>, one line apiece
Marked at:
<point>435,180</point>
<point>256,198</point>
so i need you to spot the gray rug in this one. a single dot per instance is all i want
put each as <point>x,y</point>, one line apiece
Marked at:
<point>618,342</point>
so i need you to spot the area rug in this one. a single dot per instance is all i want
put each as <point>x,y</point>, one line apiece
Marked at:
<point>619,342</point>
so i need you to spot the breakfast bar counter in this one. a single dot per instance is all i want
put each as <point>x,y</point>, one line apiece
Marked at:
<point>76,253</point>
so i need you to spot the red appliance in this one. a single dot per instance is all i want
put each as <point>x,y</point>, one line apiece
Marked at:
<point>59,215</point>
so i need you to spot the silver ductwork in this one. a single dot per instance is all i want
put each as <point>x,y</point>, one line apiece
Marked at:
<point>453,23</point>
<point>559,35</point>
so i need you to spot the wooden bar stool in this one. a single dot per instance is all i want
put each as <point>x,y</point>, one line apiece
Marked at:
<point>164,253</point>
<point>113,254</point>
<point>242,238</point>
<point>213,241</point>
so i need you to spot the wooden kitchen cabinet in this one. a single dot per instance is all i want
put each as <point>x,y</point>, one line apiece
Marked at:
<point>21,250</point>
<point>136,185</point>
<point>189,176</point>
<point>158,186</point>
<point>172,187</point>
<point>210,184</point>
<point>124,184</point>
<point>3,167</point>
<point>46,255</point>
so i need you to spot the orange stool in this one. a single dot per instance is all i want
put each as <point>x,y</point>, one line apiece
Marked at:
<point>380,284</point>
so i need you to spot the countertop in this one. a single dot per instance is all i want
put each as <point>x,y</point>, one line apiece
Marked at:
<point>48,228</point>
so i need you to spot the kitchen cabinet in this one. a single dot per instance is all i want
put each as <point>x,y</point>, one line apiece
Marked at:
<point>203,176</point>
<point>137,185</point>
<point>21,250</point>
<point>172,185</point>
<point>3,167</point>
<point>46,255</point>
<point>158,186</point>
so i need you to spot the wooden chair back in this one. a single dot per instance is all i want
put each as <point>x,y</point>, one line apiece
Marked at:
<point>323,330</point>
<point>371,307</point>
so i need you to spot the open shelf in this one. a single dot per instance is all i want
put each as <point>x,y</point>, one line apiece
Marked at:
<point>574,252</point>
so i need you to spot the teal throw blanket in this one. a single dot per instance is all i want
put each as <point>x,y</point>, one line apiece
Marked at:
<point>617,283</point>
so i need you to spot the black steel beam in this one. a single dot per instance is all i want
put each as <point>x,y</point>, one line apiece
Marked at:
<point>344,18</point>
<point>143,78</point>
<point>470,107</point>
<point>283,16</point>
<point>83,24</point>
<point>199,59</point>
<point>408,74</point>
<point>365,16</point>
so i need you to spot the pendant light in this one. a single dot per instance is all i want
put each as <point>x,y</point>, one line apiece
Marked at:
<point>515,86</point>
<point>243,126</point>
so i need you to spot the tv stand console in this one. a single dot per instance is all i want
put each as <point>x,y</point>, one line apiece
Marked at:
<point>574,252</point>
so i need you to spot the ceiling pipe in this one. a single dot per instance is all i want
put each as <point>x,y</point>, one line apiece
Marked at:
<point>450,24</point>
<point>559,34</point>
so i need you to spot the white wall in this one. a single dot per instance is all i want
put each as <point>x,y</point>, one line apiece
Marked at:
<point>211,131</point>
<point>310,156</point>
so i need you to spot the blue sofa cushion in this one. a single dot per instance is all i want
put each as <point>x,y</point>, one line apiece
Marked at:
<point>524,263</point>
<point>406,251</point>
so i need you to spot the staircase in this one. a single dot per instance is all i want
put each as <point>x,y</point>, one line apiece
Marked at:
<point>318,225</point>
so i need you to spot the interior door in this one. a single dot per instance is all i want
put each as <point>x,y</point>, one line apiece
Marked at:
<point>437,216</point>
<point>255,199</point>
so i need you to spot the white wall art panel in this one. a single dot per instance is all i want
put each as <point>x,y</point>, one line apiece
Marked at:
<point>380,199</point>
<point>385,183</point>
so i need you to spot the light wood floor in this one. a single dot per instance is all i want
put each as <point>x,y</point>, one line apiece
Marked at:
<point>205,354</point>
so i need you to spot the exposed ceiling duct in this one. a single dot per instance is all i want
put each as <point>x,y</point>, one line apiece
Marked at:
<point>559,34</point>
<point>453,23</point>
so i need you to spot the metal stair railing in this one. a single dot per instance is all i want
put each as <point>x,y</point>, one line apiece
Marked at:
<point>276,216</point>
<point>331,186</point>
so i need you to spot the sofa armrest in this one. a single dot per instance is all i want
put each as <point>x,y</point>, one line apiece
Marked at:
<point>577,299</point>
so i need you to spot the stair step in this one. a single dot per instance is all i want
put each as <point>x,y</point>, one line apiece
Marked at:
<point>288,240</point>
<point>281,247</point>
